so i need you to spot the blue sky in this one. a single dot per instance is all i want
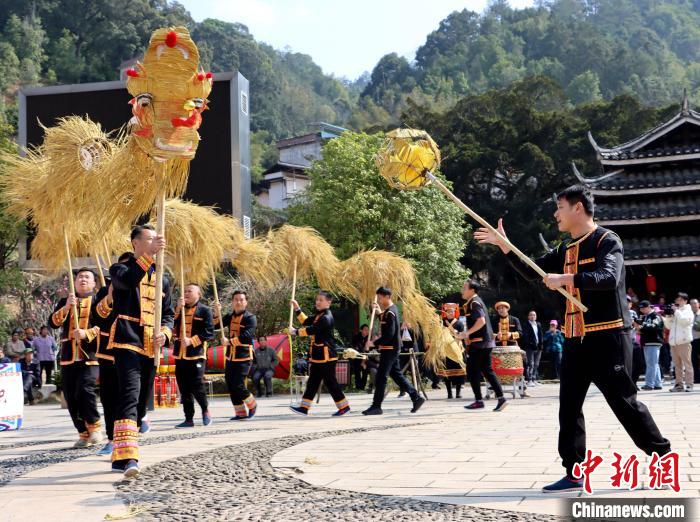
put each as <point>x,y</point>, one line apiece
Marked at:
<point>345,37</point>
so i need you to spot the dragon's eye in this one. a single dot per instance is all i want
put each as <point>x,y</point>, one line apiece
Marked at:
<point>198,102</point>
<point>144,100</point>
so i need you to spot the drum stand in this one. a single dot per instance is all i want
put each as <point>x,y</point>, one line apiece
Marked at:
<point>415,372</point>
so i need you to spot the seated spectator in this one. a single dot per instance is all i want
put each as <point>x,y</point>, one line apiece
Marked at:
<point>3,358</point>
<point>45,353</point>
<point>14,348</point>
<point>266,360</point>
<point>30,375</point>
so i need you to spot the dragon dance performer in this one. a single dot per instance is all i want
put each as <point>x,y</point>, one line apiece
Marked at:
<point>597,346</point>
<point>389,346</point>
<point>190,353</point>
<point>133,342</point>
<point>454,370</point>
<point>322,355</point>
<point>79,366</point>
<point>239,359</point>
<point>479,337</point>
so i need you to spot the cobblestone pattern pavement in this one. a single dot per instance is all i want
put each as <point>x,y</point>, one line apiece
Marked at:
<point>240,484</point>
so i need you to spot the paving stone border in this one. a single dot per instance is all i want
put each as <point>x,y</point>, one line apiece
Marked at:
<point>238,483</point>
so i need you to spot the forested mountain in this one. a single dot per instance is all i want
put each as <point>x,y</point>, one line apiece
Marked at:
<point>594,49</point>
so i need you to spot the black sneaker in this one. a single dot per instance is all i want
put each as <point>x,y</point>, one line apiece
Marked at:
<point>402,394</point>
<point>417,404</point>
<point>299,410</point>
<point>185,424</point>
<point>658,387</point>
<point>373,410</point>
<point>476,405</point>
<point>564,485</point>
<point>502,403</point>
<point>647,388</point>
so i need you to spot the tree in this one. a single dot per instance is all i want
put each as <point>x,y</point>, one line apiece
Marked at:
<point>352,206</point>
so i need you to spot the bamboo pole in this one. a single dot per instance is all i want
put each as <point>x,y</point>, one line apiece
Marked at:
<point>289,335</point>
<point>108,258</point>
<point>71,280</point>
<point>529,262</point>
<point>371,322</point>
<point>183,325</point>
<point>218,305</point>
<point>99,270</point>
<point>160,267</point>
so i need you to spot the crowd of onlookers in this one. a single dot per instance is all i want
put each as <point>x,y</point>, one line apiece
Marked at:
<point>36,355</point>
<point>666,340</point>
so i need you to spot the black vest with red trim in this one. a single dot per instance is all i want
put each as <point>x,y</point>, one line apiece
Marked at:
<point>104,318</point>
<point>483,337</point>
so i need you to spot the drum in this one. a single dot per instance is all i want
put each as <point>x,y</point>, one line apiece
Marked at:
<point>280,343</point>
<point>166,356</point>
<point>341,372</point>
<point>507,362</point>
<point>216,362</point>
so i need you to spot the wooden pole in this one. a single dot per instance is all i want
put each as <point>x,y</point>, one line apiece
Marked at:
<point>71,281</point>
<point>529,262</point>
<point>99,270</point>
<point>108,258</point>
<point>371,323</point>
<point>160,267</point>
<point>218,304</point>
<point>183,325</point>
<point>289,335</point>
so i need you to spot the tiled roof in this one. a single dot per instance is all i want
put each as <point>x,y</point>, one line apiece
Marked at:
<point>649,153</point>
<point>660,207</point>
<point>662,247</point>
<point>650,179</point>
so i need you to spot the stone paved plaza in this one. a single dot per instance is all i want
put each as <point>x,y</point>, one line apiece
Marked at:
<point>443,463</point>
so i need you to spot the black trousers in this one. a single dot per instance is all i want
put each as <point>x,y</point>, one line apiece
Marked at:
<point>236,372</point>
<point>695,359</point>
<point>190,380</point>
<point>109,392</point>
<point>135,375</point>
<point>323,373</point>
<point>48,367</point>
<point>478,364</point>
<point>604,359</point>
<point>389,366</point>
<point>359,374</point>
<point>264,375</point>
<point>79,381</point>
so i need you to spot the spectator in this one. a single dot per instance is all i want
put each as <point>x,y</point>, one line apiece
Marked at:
<point>532,343</point>
<point>679,321</point>
<point>651,332</point>
<point>45,353</point>
<point>30,374</point>
<point>553,342</point>
<point>3,359</point>
<point>14,348</point>
<point>695,345</point>
<point>358,367</point>
<point>372,368</point>
<point>29,337</point>
<point>632,296</point>
<point>638,362</point>
<point>265,361</point>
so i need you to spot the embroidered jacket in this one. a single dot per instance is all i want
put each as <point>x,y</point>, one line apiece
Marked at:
<point>74,350</point>
<point>510,329</point>
<point>319,327</point>
<point>134,304</point>
<point>241,328</point>
<point>199,327</point>
<point>597,262</point>
<point>104,318</point>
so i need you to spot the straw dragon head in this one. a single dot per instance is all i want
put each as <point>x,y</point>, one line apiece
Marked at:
<point>169,95</point>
